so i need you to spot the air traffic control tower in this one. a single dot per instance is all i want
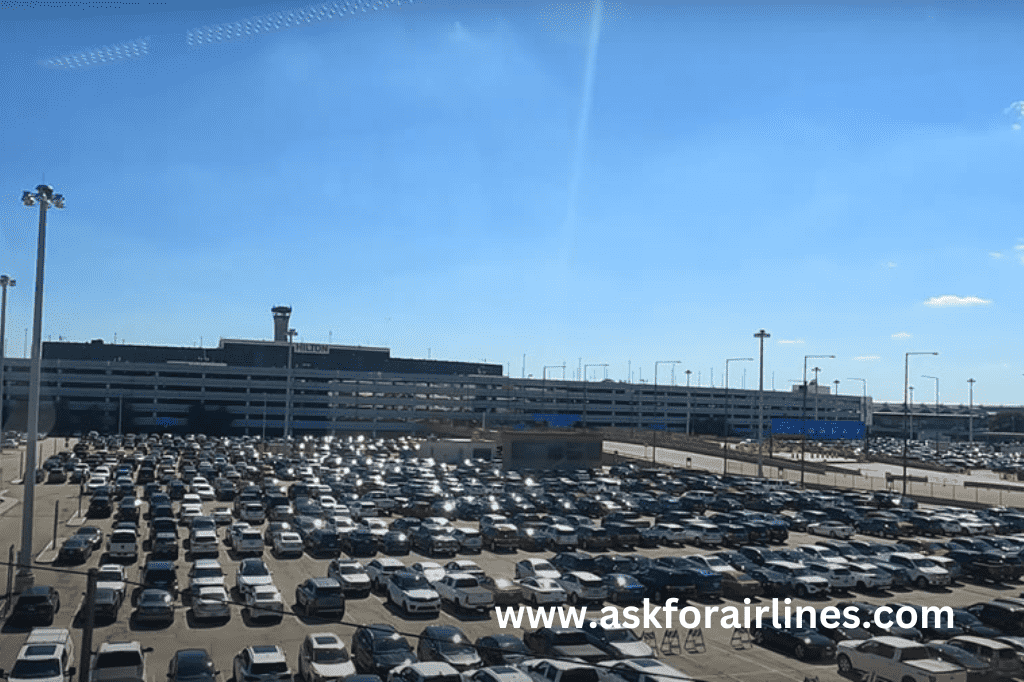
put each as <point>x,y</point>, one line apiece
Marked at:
<point>282,314</point>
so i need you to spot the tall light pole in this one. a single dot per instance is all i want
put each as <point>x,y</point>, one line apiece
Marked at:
<point>816,370</point>
<point>836,382</point>
<point>654,453</point>
<point>803,417</point>
<point>688,373</point>
<point>728,412</point>
<point>906,411</point>
<point>288,398</point>
<point>970,413</point>
<point>5,282</point>
<point>760,336</point>
<point>925,376</point>
<point>585,393</point>
<point>45,197</point>
<point>863,408</point>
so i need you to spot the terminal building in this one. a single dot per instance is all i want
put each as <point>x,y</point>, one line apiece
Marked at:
<point>273,387</point>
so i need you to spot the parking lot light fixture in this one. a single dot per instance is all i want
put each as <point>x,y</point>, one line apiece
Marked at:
<point>5,282</point>
<point>803,417</point>
<point>970,412</point>
<point>906,410</point>
<point>760,336</point>
<point>863,408</point>
<point>45,197</point>
<point>654,454</point>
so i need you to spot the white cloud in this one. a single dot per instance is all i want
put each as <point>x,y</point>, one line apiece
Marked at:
<point>791,340</point>
<point>958,301</point>
<point>901,335</point>
<point>995,254</point>
<point>864,358</point>
<point>890,264</point>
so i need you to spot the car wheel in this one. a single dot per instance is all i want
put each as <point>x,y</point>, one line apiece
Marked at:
<point>308,610</point>
<point>844,664</point>
<point>801,591</point>
<point>800,652</point>
<point>758,636</point>
<point>920,583</point>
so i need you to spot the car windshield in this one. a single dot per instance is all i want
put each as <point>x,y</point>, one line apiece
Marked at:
<point>579,675</point>
<point>209,573</point>
<point>35,669</point>
<point>571,637</point>
<point>268,668</point>
<point>118,659</point>
<point>195,666</point>
<point>109,576</point>
<point>620,635</point>
<point>348,569</point>
<point>255,569</point>
<point>390,644</point>
<point>915,653</point>
<point>334,655</point>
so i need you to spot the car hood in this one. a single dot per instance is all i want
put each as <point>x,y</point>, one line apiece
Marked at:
<point>587,652</point>
<point>128,674</point>
<point>422,594</point>
<point>334,670</point>
<point>255,580</point>
<point>354,579</point>
<point>632,649</point>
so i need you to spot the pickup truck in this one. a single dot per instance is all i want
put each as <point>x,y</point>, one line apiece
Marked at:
<point>542,670</point>
<point>985,565</point>
<point>896,659</point>
<point>500,536</point>
<point>464,591</point>
<point>47,656</point>
<point>123,544</point>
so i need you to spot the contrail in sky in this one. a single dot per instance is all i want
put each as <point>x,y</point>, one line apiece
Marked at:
<point>589,71</point>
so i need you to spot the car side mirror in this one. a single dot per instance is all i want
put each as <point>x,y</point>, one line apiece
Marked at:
<point>72,671</point>
<point>147,650</point>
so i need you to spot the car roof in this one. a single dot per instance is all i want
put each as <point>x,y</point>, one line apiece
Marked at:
<point>267,653</point>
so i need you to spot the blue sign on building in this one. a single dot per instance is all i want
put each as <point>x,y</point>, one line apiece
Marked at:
<point>825,430</point>
<point>557,419</point>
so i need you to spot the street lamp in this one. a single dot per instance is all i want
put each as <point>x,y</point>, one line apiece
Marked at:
<point>863,408</point>
<point>654,453</point>
<point>728,412</point>
<point>970,413</point>
<point>288,399</point>
<point>925,376</point>
<point>45,197</point>
<point>816,370</point>
<point>803,417</point>
<point>906,411</point>
<point>688,373</point>
<point>760,336</point>
<point>5,282</point>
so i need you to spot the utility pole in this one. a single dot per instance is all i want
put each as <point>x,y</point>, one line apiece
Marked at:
<point>90,608</point>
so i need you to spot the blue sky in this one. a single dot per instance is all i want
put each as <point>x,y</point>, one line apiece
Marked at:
<point>443,178</point>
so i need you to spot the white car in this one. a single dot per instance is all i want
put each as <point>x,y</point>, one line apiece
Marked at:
<point>412,593</point>
<point>644,670</point>
<point>288,543</point>
<point>539,591</point>
<point>831,529</point>
<point>252,573</point>
<point>112,576</point>
<point>222,516</point>
<point>703,533</point>
<point>431,570</point>
<point>799,579</point>
<point>380,570</point>
<point>204,543</point>
<point>895,658</point>
<point>581,586</point>
<point>351,576</point>
<point>205,491</point>
<point>264,601</point>
<point>247,541</point>
<point>119,662</point>
<point>210,602</point>
<point>537,568</point>
<point>205,573</point>
<point>668,533</point>
<point>838,576</point>
<point>324,658</point>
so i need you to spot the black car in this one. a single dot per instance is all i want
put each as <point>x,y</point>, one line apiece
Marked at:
<point>107,603</point>
<point>360,542</point>
<point>323,542</point>
<point>447,644</point>
<point>378,648</point>
<point>192,665</point>
<point>969,623</point>
<point>160,575</point>
<point>99,507</point>
<point>502,650</point>
<point>395,542</point>
<point>75,550</point>
<point>804,643</point>
<point>320,596</point>
<point>574,561</point>
<point>36,604</point>
<point>1004,616</point>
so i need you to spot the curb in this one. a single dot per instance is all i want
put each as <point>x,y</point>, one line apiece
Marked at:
<point>75,521</point>
<point>7,504</point>
<point>47,556</point>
